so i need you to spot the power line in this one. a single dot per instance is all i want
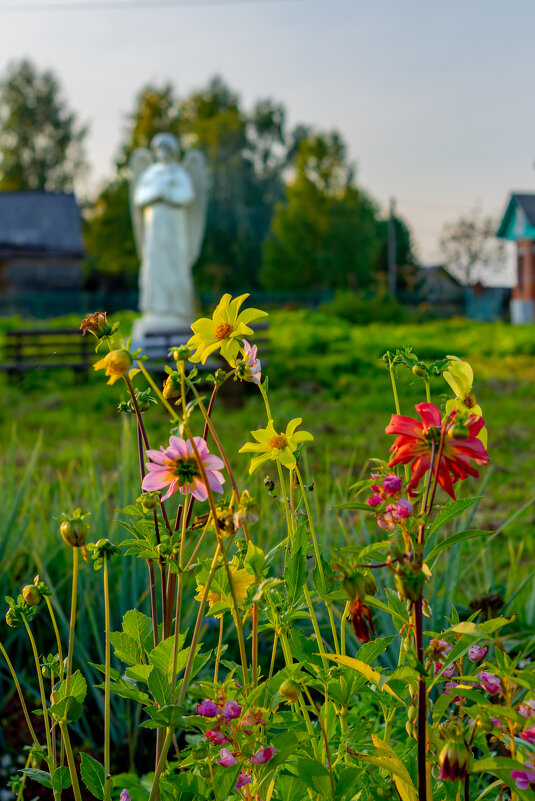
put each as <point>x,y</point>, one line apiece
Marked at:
<point>119,5</point>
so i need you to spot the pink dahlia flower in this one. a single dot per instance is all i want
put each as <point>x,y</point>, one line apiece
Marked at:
<point>176,466</point>
<point>251,365</point>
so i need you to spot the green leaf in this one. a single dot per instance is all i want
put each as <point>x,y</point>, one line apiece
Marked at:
<point>139,672</point>
<point>171,715</point>
<point>364,507</point>
<point>159,686</point>
<point>40,776</point>
<point>448,542</point>
<point>255,560</point>
<point>371,675</point>
<point>78,688</point>
<point>126,648</point>
<point>93,777</point>
<point>295,575</point>
<point>370,651</point>
<point>61,779</point>
<point>139,627</point>
<point>324,580</point>
<point>162,655</point>
<point>449,512</point>
<point>501,767</point>
<point>67,710</point>
<point>314,775</point>
<point>127,689</point>
<point>225,780</point>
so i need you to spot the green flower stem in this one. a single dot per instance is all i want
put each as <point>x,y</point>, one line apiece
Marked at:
<point>308,723</point>
<point>266,401</point>
<point>187,671</point>
<point>317,555</point>
<point>107,667</point>
<point>70,761</point>
<point>343,623</point>
<point>56,632</point>
<point>23,780</point>
<point>172,412</point>
<point>51,758</point>
<point>74,595</point>
<point>272,663</point>
<point>325,738</point>
<point>254,644</point>
<point>221,450</point>
<point>21,697</point>
<point>427,390</point>
<point>391,370</point>
<point>218,652</point>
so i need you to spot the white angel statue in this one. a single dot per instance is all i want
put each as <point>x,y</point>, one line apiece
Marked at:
<point>168,206</point>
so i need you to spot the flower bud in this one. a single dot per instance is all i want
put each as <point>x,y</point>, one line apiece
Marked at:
<point>458,431</point>
<point>97,324</point>
<point>116,363</point>
<point>410,584</point>
<point>172,386</point>
<point>454,760</point>
<point>269,483</point>
<point>12,620</point>
<point>74,531</point>
<point>420,369</point>
<point>289,690</point>
<point>359,584</point>
<point>182,353</point>
<point>31,595</point>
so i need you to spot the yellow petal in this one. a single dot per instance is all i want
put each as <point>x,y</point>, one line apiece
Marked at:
<point>258,460</point>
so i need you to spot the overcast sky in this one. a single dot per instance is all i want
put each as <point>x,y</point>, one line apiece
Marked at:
<point>434,99</point>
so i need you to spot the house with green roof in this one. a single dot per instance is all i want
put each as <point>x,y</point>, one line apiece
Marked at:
<point>518,225</point>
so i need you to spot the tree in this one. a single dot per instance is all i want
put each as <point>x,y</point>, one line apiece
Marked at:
<point>41,141</point>
<point>324,234</point>
<point>470,248</point>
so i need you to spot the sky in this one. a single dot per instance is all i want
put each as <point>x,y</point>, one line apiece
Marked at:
<point>434,99</point>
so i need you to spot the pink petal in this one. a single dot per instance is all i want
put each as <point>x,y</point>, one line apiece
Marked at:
<point>156,480</point>
<point>172,489</point>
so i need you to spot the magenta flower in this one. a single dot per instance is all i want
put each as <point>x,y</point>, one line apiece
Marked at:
<point>226,759</point>
<point>392,484</point>
<point>524,779</point>
<point>208,709</point>
<point>125,795</point>
<point>177,467</point>
<point>375,500</point>
<point>217,737</point>
<point>385,521</point>
<point>444,647</point>
<point>476,654</point>
<point>262,755</point>
<point>252,369</point>
<point>400,510</point>
<point>243,779</point>
<point>527,709</point>
<point>448,672</point>
<point>490,682</point>
<point>529,735</point>
<point>231,710</point>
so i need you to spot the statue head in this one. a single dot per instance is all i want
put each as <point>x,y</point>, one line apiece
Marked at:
<point>165,147</point>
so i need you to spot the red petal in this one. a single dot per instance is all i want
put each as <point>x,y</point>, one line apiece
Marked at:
<point>429,413</point>
<point>404,425</point>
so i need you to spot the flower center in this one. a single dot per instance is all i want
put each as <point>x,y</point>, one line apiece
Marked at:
<point>223,330</point>
<point>279,442</point>
<point>186,470</point>
<point>433,434</point>
<point>470,401</point>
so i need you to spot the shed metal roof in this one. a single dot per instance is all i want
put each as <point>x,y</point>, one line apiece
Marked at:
<point>35,221</point>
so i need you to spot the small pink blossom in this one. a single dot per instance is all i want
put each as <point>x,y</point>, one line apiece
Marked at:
<point>374,500</point>
<point>444,647</point>
<point>400,510</point>
<point>208,709</point>
<point>243,779</point>
<point>226,759</point>
<point>476,654</point>
<point>392,484</point>
<point>217,737</point>
<point>447,672</point>
<point>231,710</point>
<point>262,755</point>
<point>385,521</point>
<point>490,682</point>
<point>527,709</point>
<point>252,719</point>
<point>125,795</point>
<point>452,685</point>
<point>177,467</point>
<point>529,735</point>
<point>524,779</point>
<point>252,369</point>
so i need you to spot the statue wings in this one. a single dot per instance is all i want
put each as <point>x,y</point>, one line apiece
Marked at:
<point>139,161</point>
<point>194,163</point>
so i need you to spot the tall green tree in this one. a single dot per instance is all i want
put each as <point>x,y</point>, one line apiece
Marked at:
<point>41,140</point>
<point>324,235</point>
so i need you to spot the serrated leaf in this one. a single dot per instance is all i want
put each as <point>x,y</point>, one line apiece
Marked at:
<point>127,689</point>
<point>255,560</point>
<point>159,686</point>
<point>93,777</point>
<point>449,512</point>
<point>114,673</point>
<point>61,779</point>
<point>454,539</point>
<point>40,776</point>
<point>139,627</point>
<point>126,648</point>
<point>139,672</point>
<point>162,655</point>
<point>77,688</point>
<point>171,715</point>
<point>67,710</point>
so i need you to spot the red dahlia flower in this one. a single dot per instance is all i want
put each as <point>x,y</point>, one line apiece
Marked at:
<point>415,440</point>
